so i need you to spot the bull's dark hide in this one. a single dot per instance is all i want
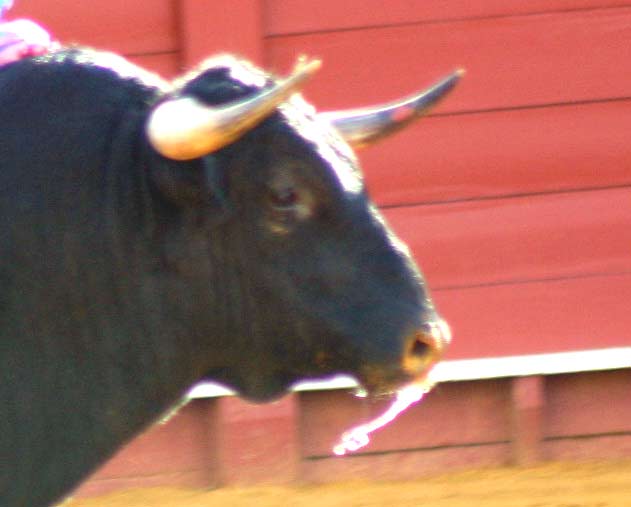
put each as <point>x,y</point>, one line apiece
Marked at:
<point>126,277</point>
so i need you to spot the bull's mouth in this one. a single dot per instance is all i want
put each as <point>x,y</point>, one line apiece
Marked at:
<point>424,351</point>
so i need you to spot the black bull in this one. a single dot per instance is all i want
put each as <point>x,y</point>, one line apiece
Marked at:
<point>154,234</point>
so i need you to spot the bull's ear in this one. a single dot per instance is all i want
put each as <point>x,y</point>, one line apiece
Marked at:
<point>194,184</point>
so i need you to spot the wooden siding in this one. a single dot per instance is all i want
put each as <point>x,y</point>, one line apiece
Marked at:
<point>131,28</point>
<point>285,17</point>
<point>226,441</point>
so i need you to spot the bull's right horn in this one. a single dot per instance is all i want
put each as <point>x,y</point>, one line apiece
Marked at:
<point>184,128</point>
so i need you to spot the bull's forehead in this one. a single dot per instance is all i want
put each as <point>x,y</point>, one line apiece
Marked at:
<point>329,145</point>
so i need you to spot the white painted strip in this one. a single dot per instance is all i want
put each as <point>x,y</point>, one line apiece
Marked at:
<point>535,364</point>
<point>209,390</point>
<point>476,369</point>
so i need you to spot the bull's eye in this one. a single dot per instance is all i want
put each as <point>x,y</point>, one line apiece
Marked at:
<point>287,206</point>
<point>284,198</point>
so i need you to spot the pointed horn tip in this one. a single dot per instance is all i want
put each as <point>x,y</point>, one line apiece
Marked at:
<point>303,70</point>
<point>307,66</point>
<point>456,75</point>
<point>448,82</point>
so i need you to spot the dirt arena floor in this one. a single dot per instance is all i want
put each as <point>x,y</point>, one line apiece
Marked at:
<point>598,484</point>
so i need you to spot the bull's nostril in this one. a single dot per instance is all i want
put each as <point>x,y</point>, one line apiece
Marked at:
<point>419,354</point>
<point>420,349</point>
<point>425,347</point>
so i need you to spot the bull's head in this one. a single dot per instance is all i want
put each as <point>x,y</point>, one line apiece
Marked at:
<point>305,278</point>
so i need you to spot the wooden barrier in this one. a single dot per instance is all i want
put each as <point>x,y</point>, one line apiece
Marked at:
<point>494,411</point>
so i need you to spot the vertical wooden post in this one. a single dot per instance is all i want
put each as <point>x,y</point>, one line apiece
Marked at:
<point>210,442</point>
<point>208,27</point>
<point>256,444</point>
<point>527,404</point>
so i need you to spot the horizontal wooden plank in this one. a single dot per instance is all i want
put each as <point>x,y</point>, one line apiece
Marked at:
<point>408,466</point>
<point>437,421</point>
<point>510,62</point>
<point>219,26</point>
<point>445,158</point>
<point>519,239</point>
<point>567,396</point>
<point>163,449</point>
<point>117,25</point>
<point>538,317</point>
<point>469,413</point>
<point>612,446</point>
<point>166,65</point>
<point>299,16</point>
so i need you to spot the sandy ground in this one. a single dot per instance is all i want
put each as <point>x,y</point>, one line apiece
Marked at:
<point>598,484</point>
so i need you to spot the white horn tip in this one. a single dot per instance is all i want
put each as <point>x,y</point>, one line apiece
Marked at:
<point>307,66</point>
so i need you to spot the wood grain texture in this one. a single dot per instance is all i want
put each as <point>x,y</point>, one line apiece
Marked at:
<point>510,62</point>
<point>435,422</point>
<point>577,398</point>
<point>220,26</point>
<point>166,65</point>
<point>300,16</point>
<point>502,153</point>
<point>521,239</point>
<point>117,25</point>
<point>538,317</point>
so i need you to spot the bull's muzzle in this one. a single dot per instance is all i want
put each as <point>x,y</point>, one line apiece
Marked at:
<point>425,347</point>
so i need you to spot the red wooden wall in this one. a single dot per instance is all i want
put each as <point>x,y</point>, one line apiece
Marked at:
<point>223,441</point>
<point>515,195</point>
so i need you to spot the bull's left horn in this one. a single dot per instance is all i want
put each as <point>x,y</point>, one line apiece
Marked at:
<point>184,128</point>
<point>361,127</point>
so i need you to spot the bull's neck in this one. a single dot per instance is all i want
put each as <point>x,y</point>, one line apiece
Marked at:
<point>101,349</point>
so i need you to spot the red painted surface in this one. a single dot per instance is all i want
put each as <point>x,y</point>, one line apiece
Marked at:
<point>180,452</point>
<point>210,26</point>
<point>577,402</point>
<point>587,416</point>
<point>478,423</point>
<point>527,419</point>
<point>511,62</point>
<point>300,16</point>
<point>166,65</point>
<point>589,449</point>
<point>257,443</point>
<point>538,317</point>
<point>503,153</point>
<point>469,413</point>
<point>402,466</point>
<point>563,235</point>
<point>131,28</point>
